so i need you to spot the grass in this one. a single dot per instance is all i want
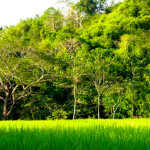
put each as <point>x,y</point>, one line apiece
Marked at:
<point>100,134</point>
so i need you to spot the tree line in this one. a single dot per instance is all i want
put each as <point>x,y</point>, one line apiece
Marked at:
<point>92,63</point>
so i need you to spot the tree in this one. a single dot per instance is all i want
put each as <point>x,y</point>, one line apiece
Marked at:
<point>20,69</point>
<point>74,17</point>
<point>53,19</point>
<point>67,51</point>
<point>135,57</point>
<point>93,64</point>
<point>96,68</point>
<point>112,97</point>
<point>90,7</point>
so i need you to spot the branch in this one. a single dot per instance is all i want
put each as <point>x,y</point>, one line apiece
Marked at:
<point>16,78</point>
<point>27,87</point>
<point>10,109</point>
<point>47,105</point>
<point>15,67</point>
<point>14,89</point>
<point>117,108</point>
<point>4,62</point>
<point>24,95</point>
<point>2,98</point>
<point>2,71</point>
<point>1,82</point>
<point>116,103</point>
<point>2,85</point>
<point>35,82</point>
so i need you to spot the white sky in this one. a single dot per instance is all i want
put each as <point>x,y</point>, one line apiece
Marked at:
<point>12,11</point>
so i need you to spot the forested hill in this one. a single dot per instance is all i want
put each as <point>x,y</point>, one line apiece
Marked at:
<point>86,64</point>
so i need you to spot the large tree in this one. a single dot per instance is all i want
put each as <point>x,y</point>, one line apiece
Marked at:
<point>20,69</point>
<point>90,7</point>
<point>97,68</point>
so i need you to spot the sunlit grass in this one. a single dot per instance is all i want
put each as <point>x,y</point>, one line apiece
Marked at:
<point>124,134</point>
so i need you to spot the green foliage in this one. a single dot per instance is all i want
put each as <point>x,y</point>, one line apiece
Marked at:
<point>59,114</point>
<point>84,57</point>
<point>87,6</point>
<point>91,7</point>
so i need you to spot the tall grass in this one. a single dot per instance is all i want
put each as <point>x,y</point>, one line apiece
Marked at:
<point>124,134</point>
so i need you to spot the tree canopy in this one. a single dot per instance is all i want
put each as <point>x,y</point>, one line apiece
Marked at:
<point>78,66</point>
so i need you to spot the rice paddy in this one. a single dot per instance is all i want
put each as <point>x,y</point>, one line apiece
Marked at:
<point>100,134</point>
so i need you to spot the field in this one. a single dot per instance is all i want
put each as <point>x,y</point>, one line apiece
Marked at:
<point>100,134</point>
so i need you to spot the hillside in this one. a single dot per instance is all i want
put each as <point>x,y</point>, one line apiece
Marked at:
<point>98,66</point>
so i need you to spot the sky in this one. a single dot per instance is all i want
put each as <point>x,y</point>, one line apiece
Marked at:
<point>12,11</point>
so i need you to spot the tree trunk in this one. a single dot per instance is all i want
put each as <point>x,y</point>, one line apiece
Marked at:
<point>98,107</point>
<point>74,110</point>
<point>5,110</point>
<point>74,93</point>
<point>132,110</point>
<point>133,75</point>
<point>113,113</point>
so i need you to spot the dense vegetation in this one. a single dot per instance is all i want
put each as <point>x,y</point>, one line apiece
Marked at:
<point>91,63</point>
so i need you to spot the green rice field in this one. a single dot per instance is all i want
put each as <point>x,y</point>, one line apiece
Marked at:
<point>126,134</point>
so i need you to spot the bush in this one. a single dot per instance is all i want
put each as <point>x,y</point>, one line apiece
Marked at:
<point>117,116</point>
<point>59,114</point>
